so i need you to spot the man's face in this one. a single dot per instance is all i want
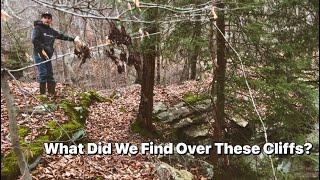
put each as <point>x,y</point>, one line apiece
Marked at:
<point>46,20</point>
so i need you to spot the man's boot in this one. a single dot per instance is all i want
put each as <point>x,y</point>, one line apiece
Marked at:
<point>43,88</point>
<point>51,88</point>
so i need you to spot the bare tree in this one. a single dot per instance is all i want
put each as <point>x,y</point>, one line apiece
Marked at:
<point>13,128</point>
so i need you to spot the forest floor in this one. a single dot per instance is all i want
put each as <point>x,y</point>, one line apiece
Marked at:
<point>107,122</point>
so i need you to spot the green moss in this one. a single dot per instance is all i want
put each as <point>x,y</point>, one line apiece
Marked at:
<point>77,114</point>
<point>9,166</point>
<point>23,131</point>
<point>71,126</point>
<point>51,125</point>
<point>191,98</point>
<point>37,147</point>
<point>87,98</point>
<point>73,112</point>
<point>238,168</point>
<point>63,131</point>
<point>34,149</point>
<point>80,112</point>
<point>123,110</point>
<point>67,105</point>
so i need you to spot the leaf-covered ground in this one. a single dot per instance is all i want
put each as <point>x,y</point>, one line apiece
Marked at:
<point>107,122</point>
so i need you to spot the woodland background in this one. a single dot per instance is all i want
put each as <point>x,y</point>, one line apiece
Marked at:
<point>261,77</point>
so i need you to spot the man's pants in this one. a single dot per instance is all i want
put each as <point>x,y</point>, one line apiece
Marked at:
<point>45,71</point>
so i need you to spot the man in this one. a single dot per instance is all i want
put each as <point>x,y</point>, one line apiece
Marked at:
<point>43,37</point>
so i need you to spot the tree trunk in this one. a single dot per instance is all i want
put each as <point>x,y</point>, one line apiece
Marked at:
<point>185,72</point>
<point>220,76</point>
<point>149,54</point>
<point>67,68</point>
<point>165,67</point>
<point>134,50</point>
<point>212,47</point>
<point>158,49</point>
<point>13,128</point>
<point>158,69</point>
<point>196,50</point>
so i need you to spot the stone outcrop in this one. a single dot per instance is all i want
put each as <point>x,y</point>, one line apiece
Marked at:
<point>165,171</point>
<point>188,122</point>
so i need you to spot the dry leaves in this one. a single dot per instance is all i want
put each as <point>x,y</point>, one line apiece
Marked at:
<point>25,104</point>
<point>107,122</point>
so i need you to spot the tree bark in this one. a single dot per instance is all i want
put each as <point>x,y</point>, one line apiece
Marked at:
<point>220,76</point>
<point>69,75</point>
<point>138,65</point>
<point>158,49</point>
<point>185,71</point>
<point>149,54</point>
<point>158,69</point>
<point>195,53</point>
<point>13,128</point>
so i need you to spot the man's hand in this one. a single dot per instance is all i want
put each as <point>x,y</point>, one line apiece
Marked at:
<point>78,42</point>
<point>81,50</point>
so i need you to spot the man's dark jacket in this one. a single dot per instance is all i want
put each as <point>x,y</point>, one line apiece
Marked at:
<point>43,37</point>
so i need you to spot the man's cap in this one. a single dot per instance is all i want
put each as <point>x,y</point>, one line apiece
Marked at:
<point>48,14</point>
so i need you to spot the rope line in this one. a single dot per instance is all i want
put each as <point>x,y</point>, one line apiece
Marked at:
<point>67,54</point>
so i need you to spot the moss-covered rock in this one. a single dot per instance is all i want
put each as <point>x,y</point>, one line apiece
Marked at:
<point>77,114</point>
<point>165,171</point>
<point>9,164</point>
<point>72,111</point>
<point>87,98</point>
<point>191,98</point>
<point>64,131</point>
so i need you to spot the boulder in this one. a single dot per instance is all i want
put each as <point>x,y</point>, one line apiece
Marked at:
<point>45,108</point>
<point>159,107</point>
<point>239,120</point>
<point>188,121</point>
<point>183,122</point>
<point>165,171</point>
<point>180,112</point>
<point>165,117</point>
<point>189,160</point>
<point>197,131</point>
